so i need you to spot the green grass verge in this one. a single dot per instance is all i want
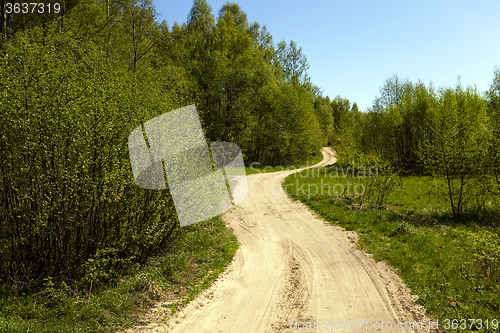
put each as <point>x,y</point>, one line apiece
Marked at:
<point>452,265</point>
<point>194,259</point>
<point>257,168</point>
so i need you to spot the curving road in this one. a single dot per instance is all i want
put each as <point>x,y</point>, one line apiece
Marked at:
<point>292,269</point>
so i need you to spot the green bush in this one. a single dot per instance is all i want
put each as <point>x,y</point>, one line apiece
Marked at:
<point>68,193</point>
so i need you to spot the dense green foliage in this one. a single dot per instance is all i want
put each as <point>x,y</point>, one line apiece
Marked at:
<point>449,133</point>
<point>67,191</point>
<point>73,85</point>
<point>247,91</point>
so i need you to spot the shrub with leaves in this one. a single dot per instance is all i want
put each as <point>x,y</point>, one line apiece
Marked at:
<point>381,183</point>
<point>67,187</point>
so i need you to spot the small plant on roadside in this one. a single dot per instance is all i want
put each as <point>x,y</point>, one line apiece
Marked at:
<point>401,228</point>
<point>381,185</point>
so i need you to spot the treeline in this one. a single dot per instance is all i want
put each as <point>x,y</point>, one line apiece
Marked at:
<point>74,84</point>
<point>451,133</point>
<point>247,90</point>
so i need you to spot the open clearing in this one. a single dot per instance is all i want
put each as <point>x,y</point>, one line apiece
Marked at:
<point>291,265</point>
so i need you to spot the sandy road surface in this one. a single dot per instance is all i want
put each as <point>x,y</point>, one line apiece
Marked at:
<point>292,265</point>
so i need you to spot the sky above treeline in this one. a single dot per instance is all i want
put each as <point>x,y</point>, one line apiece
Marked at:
<point>353,46</point>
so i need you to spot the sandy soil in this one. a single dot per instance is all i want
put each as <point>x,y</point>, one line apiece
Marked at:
<point>293,269</point>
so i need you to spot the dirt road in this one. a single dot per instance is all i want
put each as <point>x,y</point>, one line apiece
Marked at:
<point>291,270</point>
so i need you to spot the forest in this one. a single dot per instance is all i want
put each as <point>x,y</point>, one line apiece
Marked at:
<point>75,83</point>
<point>450,133</point>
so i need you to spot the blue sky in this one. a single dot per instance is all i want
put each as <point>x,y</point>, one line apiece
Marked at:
<point>352,46</point>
